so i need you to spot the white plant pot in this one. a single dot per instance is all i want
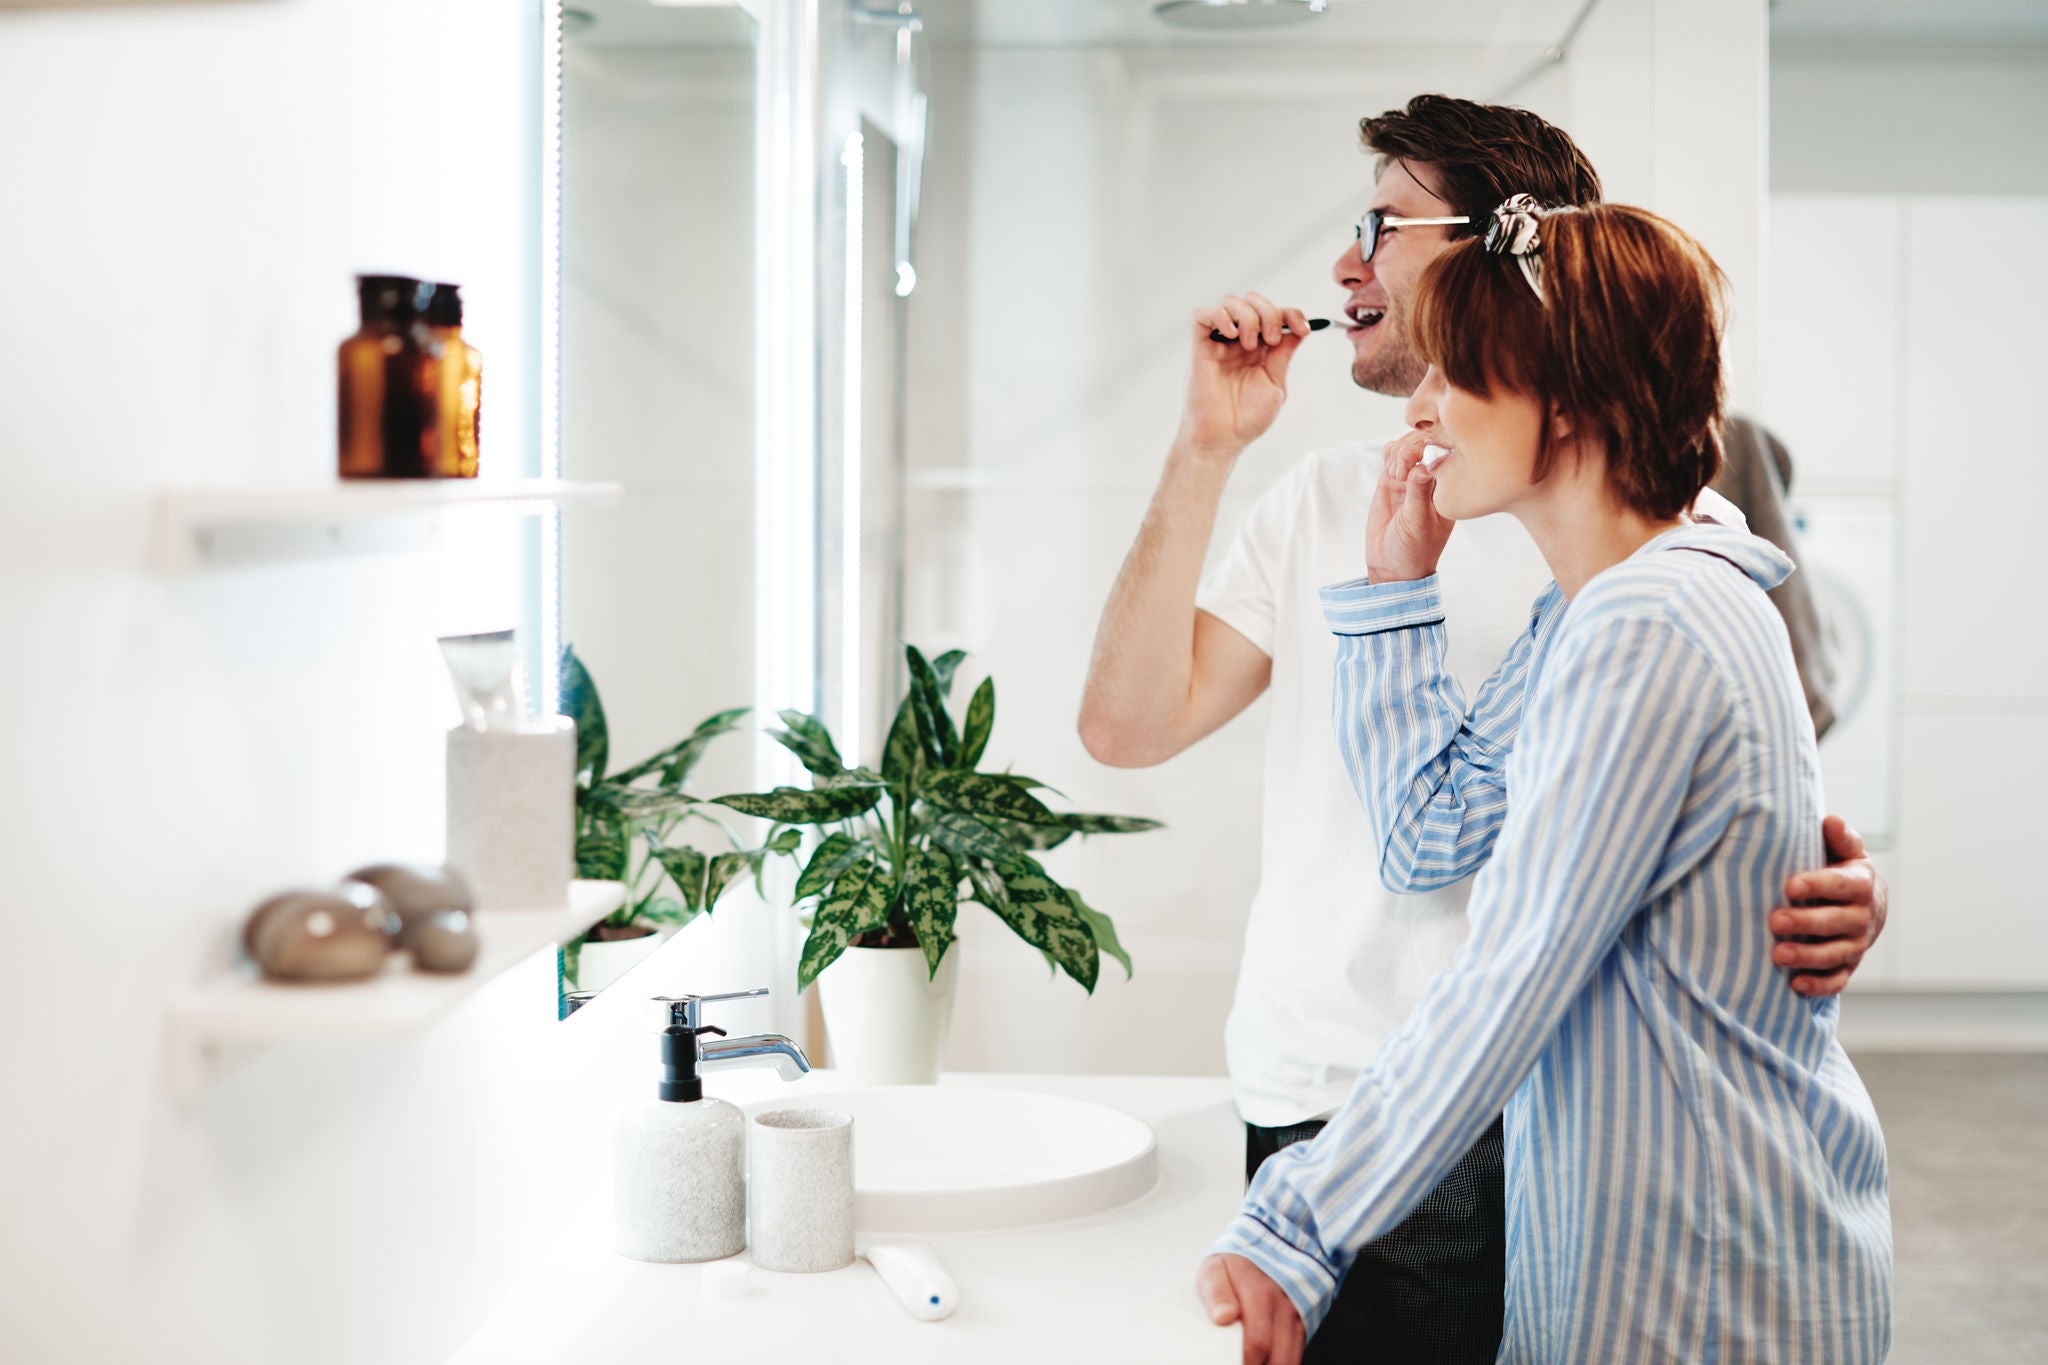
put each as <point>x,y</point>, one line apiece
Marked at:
<point>886,1017</point>
<point>598,965</point>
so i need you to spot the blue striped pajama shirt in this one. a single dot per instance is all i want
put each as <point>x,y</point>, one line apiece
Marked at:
<point>1694,1171</point>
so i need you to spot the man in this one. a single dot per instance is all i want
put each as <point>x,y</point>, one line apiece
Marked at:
<point>1332,961</point>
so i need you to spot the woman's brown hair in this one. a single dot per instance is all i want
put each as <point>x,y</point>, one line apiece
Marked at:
<point>1626,341</point>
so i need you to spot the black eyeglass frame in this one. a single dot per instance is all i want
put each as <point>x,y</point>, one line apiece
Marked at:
<point>1374,221</point>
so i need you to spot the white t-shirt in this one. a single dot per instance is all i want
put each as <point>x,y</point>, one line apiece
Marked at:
<point>1333,961</point>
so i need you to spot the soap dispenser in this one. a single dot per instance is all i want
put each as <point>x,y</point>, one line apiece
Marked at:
<point>679,1160</point>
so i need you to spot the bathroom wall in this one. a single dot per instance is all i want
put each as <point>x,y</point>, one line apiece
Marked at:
<point>1079,202</point>
<point>187,190</point>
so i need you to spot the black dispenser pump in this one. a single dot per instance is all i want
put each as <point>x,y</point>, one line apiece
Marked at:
<point>680,1082</point>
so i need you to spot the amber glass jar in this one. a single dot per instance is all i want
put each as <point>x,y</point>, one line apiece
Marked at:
<point>456,372</point>
<point>387,414</point>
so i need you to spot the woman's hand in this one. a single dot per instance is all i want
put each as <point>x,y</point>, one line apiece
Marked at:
<point>1235,1290</point>
<point>1236,387</point>
<point>1404,536</point>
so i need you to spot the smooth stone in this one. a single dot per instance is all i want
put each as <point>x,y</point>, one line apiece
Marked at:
<point>340,935</point>
<point>417,891</point>
<point>444,941</point>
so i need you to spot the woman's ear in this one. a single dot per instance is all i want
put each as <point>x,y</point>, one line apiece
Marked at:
<point>1561,426</point>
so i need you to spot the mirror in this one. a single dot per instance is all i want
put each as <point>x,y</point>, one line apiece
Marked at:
<point>657,394</point>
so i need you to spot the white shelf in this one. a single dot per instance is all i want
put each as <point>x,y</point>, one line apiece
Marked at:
<point>234,1006</point>
<point>196,527</point>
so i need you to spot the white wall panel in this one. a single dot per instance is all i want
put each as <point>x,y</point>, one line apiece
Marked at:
<point>1976,454</point>
<point>1831,388</point>
<point>1969,910</point>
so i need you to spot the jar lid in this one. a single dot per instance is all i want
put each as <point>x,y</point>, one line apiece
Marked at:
<point>390,298</point>
<point>444,309</point>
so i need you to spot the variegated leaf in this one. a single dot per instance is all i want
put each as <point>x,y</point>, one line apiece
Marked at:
<point>582,705</point>
<point>1106,824</point>
<point>791,806</point>
<point>601,851</point>
<point>989,794</point>
<point>833,855</point>
<point>903,755</point>
<point>1043,917</point>
<point>945,666</point>
<point>685,867</point>
<point>980,723</point>
<point>966,837</point>
<point>807,738</point>
<point>933,885</point>
<point>934,723</point>
<point>635,804</point>
<point>1103,932</point>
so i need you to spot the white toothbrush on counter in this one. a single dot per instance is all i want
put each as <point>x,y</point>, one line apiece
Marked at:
<point>914,1275</point>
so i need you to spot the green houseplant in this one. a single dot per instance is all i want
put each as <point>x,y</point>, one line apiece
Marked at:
<point>909,845</point>
<point>629,823</point>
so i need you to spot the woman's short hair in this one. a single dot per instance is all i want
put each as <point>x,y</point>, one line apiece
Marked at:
<point>1625,340</point>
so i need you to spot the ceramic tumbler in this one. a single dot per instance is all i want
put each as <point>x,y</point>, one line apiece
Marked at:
<point>800,1189</point>
<point>512,813</point>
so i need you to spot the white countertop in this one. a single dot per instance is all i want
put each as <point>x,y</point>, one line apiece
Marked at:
<point>1113,1287</point>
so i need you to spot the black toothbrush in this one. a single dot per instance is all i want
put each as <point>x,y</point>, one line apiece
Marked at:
<point>1314,325</point>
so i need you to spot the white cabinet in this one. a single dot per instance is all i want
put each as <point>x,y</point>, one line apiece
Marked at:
<point>1968,902</point>
<point>1976,456</point>
<point>1832,373</point>
<point>1905,359</point>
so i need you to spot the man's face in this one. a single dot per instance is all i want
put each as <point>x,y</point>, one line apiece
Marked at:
<point>1382,290</point>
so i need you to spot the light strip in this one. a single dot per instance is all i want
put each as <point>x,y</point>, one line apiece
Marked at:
<point>854,159</point>
<point>545,687</point>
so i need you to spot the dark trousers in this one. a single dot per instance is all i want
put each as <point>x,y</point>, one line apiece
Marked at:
<point>1430,1291</point>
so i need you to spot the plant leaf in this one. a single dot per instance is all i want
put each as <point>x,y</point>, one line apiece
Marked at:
<point>724,868</point>
<point>583,706</point>
<point>981,720</point>
<point>679,758</point>
<point>966,837</point>
<point>787,841</point>
<point>932,892</point>
<point>810,741</point>
<point>601,851</point>
<point>1042,916</point>
<point>987,883</point>
<point>945,666</point>
<point>685,867</point>
<point>859,901</point>
<point>1101,930</point>
<point>1106,824</point>
<point>833,856</point>
<point>1035,837</point>
<point>634,803</point>
<point>665,910</point>
<point>791,806</point>
<point>934,724</point>
<point>903,755</point>
<point>983,794</point>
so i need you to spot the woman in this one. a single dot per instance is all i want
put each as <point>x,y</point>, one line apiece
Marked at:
<point>1694,1170</point>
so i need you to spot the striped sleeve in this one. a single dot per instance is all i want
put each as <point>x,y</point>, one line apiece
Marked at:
<point>1625,720</point>
<point>1432,779</point>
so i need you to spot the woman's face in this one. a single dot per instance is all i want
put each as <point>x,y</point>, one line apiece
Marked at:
<point>1492,440</point>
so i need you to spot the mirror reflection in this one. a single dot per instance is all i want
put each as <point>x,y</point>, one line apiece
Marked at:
<point>658,324</point>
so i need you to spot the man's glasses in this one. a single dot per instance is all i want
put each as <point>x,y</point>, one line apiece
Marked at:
<point>1377,220</point>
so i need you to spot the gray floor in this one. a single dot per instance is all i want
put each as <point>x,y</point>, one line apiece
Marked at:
<point>1967,1136</point>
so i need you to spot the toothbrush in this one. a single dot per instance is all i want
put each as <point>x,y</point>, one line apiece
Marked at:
<point>1434,455</point>
<point>914,1275</point>
<point>1314,325</point>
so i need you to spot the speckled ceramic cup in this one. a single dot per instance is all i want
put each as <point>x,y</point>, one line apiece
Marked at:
<point>800,1189</point>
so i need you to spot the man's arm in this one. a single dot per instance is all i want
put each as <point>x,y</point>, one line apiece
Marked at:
<point>1833,915</point>
<point>1164,674</point>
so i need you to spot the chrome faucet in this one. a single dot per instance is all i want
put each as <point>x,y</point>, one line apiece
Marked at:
<point>753,1049</point>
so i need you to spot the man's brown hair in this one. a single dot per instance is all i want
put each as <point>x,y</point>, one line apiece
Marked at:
<point>1482,153</point>
<point>1626,342</point>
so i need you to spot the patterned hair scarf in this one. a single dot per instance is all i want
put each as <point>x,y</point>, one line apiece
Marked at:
<point>1514,232</point>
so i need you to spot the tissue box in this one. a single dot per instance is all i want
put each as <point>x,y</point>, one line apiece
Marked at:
<point>512,813</point>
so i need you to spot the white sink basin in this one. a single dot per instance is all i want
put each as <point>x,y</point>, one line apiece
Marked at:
<point>942,1158</point>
